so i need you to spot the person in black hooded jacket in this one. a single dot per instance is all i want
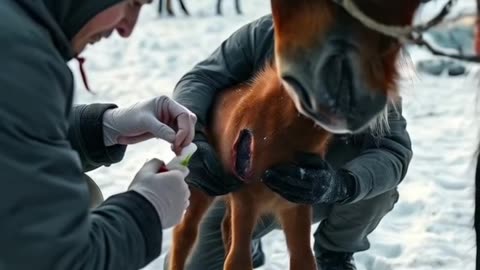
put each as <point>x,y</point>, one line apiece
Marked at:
<point>46,146</point>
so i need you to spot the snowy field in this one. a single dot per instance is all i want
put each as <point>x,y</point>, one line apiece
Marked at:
<point>431,225</point>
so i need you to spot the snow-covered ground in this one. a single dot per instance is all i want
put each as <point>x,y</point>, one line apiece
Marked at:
<point>431,225</point>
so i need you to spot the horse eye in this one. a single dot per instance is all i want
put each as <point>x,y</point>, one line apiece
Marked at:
<point>388,44</point>
<point>136,3</point>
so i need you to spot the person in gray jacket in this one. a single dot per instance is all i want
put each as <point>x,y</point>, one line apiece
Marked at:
<point>351,191</point>
<point>46,146</point>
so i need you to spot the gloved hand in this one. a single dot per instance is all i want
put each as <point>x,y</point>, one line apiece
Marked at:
<point>160,117</point>
<point>310,180</point>
<point>207,173</point>
<point>167,191</point>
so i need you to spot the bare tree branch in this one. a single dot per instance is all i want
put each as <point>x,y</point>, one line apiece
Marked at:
<point>411,34</point>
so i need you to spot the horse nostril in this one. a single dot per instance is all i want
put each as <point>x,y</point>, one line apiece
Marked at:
<point>338,77</point>
<point>301,92</point>
<point>243,154</point>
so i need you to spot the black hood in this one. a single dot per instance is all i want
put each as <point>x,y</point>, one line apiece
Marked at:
<point>65,18</point>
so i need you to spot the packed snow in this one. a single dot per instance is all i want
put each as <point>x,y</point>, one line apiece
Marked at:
<point>431,226</point>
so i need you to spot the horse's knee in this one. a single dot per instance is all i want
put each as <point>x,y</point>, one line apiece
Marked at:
<point>227,230</point>
<point>185,233</point>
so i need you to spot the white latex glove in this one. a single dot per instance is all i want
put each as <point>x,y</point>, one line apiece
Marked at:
<point>167,191</point>
<point>160,117</point>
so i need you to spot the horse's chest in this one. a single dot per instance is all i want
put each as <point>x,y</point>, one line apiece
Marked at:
<point>268,201</point>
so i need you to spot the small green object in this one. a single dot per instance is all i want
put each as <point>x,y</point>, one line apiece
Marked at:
<point>186,161</point>
<point>182,160</point>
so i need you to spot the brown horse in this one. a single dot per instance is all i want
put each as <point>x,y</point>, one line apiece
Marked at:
<point>185,10</point>
<point>330,74</point>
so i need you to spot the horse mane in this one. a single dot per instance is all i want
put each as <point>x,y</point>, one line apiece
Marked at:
<point>379,126</point>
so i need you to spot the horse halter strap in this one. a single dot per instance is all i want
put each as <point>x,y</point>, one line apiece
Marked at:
<point>407,34</point>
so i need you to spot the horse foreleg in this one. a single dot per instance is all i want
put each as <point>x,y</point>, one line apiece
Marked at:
<point>185,233</point>
<point>169,8</point>
<point>184,8</point>
<point>227,228</point>
<point>219,7</point>
<point>237,6</point>
<point>160,6</point>
<point>296,223</point>
<point>244,214</point>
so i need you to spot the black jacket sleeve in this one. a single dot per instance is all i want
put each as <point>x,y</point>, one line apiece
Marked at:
<point>383,161</point>
<point>86,136</point>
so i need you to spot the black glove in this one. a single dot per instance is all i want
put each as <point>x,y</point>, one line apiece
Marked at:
<point>207,173</point>
<point>310,180</point>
